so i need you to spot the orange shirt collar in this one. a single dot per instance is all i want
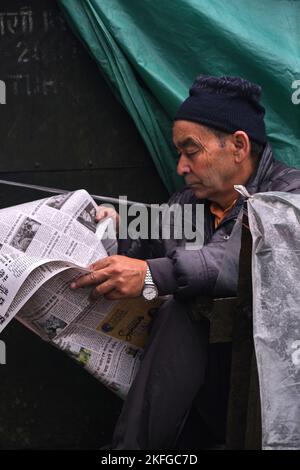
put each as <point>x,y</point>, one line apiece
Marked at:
<point>220,213</point>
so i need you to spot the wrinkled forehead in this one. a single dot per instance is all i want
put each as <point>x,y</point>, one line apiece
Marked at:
<point>186,133</point>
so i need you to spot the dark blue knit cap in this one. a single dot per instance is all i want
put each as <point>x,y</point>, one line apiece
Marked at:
<point>227,104</point>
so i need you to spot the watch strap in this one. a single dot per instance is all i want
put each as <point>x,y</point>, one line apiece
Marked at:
<point>148,278</point>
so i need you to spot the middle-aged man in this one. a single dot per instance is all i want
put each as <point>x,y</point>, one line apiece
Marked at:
<point>220,137</point>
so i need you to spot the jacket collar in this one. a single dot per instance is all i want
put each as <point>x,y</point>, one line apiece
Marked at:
<point>260,179</point>
<point>258,182</point>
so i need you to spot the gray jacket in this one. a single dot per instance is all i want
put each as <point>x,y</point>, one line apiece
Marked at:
<point>213,269</point>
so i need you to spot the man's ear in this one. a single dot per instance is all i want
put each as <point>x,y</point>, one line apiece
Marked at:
<point>241,146</point>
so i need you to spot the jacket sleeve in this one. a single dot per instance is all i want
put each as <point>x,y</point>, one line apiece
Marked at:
<point>145,248</point>
<point>211,270</point>
<point>141,249</point>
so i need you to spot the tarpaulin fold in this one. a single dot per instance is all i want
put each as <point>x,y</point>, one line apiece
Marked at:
<point>150,52</point>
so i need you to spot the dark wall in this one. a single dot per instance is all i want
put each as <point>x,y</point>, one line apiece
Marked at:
<point>61,124</point>
<point>61,127</point>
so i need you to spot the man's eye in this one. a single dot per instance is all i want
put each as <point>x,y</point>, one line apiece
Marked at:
<point>191,154</point>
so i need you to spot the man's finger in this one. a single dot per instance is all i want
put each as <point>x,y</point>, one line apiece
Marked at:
<point>100,264</point>
<point>101,214</point>
<point>114,295</point>
<point>102,289</point>
<point>95,277</point>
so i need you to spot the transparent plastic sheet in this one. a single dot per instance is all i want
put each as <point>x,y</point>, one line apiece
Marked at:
<point>274,222</point>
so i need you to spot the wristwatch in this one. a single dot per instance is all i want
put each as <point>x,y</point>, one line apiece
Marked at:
<point>150,291</point>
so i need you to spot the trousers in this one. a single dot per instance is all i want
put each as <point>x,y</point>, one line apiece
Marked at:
<point>171,373</point>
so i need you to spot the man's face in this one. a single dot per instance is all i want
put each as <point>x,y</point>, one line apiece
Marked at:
<point>207,166</point>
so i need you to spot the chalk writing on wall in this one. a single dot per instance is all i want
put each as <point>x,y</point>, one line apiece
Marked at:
<point>35,46</point>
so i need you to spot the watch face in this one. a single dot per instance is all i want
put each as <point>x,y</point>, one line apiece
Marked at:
<point>150,292</point>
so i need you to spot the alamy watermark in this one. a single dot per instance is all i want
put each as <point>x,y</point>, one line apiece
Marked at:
<point>183,223</point>
<point>2,353</point>
<point>296,94</point>
<point>2,92</point>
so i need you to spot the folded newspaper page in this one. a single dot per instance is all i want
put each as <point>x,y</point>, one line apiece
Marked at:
<point>44,246</point>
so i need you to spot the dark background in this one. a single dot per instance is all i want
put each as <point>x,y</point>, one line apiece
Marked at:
<point>61,127</point>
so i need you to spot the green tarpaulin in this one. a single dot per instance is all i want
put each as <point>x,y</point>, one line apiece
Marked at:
<point>150,51</point>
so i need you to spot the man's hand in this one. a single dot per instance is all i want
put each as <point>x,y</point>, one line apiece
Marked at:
<point>115,277</point>
<point>103,212</point>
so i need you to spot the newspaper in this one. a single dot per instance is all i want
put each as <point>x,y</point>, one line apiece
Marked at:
<point>44,246</point>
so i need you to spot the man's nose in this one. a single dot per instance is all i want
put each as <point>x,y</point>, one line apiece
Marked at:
<point>183,166</point>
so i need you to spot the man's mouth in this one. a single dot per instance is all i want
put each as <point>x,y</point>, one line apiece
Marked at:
<point>193,185</point>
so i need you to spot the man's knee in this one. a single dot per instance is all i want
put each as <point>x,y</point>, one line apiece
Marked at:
<point>173,330</point>
<point>169,313</point>
<point>176,312</point>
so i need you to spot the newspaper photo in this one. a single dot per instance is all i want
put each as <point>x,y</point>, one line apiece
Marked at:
<point>44,246</point>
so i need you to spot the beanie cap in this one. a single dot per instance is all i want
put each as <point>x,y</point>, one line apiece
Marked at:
<point>227,104</point>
